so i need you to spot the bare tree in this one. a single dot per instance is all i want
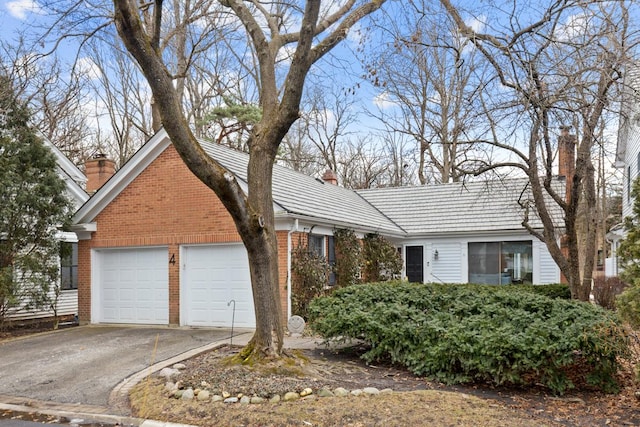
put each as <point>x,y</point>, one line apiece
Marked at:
<point>360,164</point>
<point>122,101</point>
<point>557,65</point>
<point>328,116</point>
<point>55,97</point>
<point>429,79</point>
<point>280,94</point>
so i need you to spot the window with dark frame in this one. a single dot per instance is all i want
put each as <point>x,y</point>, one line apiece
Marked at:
<point>69,265</point>
<point>316,244</point>
<point>501,263</point>
<point>331,259</point>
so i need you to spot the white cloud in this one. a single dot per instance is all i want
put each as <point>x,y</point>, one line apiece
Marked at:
<point>575,26</point>
<point>477,24</point>
<point>20,8</point>
<point>383,101</point>
<point>88,68</point>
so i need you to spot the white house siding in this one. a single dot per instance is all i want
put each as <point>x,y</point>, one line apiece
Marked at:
<point>448,268</point>
<point>67,306</point>
<point>548,271</point>
<point>632,161</point>
<point>452,263</point>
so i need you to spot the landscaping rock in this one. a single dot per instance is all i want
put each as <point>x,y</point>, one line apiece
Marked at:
<point>179,366</point>
<point>169,373</point>
<point>257,399</point>
<point>340,392</point>
<point>356,392</point>
<point>386,390</point>
<point>371,390</point>
<point>217,398</point>
<point>231,400</point>
<point>204,395</point>
<point>306,392</point>
<point>178,394</point>
<point>226,394</point>
<point>275,399</point>
<point>325,392</point>
<point>291,395</point>
<point>188,394</point>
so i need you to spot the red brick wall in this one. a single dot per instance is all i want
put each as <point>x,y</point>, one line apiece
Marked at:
<point>166,205</point>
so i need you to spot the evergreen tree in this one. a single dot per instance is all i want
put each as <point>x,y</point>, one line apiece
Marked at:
<point>33,206</point>
<point>628,302</point>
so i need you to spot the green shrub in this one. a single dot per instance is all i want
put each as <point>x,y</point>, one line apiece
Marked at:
<point>555,290</point>
<point>628,305</point>
<point>467,333</point>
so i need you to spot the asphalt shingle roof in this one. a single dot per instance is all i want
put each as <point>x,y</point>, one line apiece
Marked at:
<point>454,207</point>
<point>303,195</point>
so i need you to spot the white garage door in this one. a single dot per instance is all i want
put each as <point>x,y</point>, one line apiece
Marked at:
<point>212,276</point>
<point>134,286</point>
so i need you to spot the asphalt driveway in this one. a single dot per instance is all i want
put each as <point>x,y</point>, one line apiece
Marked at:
<point>83,364</point>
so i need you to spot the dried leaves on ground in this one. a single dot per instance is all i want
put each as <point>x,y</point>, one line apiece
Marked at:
<point>414,401</point>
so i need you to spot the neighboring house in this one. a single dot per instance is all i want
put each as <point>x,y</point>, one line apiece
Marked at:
<point>627,159</point>
<point>157,246</point>
<point>67,304</point>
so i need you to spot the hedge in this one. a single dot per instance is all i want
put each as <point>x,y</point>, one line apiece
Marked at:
<point>469,333</point>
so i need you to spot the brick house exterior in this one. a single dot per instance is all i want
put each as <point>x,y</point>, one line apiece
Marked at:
<point>159,203</point>
<point>157,246</point>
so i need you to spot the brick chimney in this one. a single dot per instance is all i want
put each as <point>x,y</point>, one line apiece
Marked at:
<point>567,158</point>
<point>330,177</point>
<point>566,169</point>
<point>98,170</point>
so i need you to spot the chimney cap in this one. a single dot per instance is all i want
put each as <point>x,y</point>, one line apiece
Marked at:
<point>99,156</point>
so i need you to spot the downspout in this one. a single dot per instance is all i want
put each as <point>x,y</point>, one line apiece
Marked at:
<point>289,249</point>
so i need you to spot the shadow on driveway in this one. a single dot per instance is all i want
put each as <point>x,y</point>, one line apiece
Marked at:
<point>83,364</point>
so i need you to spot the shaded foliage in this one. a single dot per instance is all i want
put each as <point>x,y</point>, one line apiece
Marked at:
<point>33,205</point>
<point>606,289</point>
<point>382,261</point>
<point>309,278</point>
<point>348,257</point>
<point>628,302</point>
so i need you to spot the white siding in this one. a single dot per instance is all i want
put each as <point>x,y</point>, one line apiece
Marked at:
<point>452,263</point>
<point>631,163</point>
<point>448,267</point>
<point>67,305</point>
<point>548,271</point>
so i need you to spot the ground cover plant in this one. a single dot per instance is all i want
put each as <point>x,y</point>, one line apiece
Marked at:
<point>471,333</point>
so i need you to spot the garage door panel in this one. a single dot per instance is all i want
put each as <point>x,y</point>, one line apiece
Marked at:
<point>134,286</point>
<point>214,275</point>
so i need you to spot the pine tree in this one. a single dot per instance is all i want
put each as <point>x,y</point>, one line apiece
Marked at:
<point>33,207</point>
<point>628,302</point>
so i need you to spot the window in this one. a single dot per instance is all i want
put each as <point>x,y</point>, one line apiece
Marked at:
<point>316,244</point>
<point>331,259</point>
<point>68,265</point>
<point>628,183</point>
<point>501,263</point>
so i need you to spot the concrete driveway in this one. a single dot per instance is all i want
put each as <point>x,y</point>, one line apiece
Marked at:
<point>83,364</point>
